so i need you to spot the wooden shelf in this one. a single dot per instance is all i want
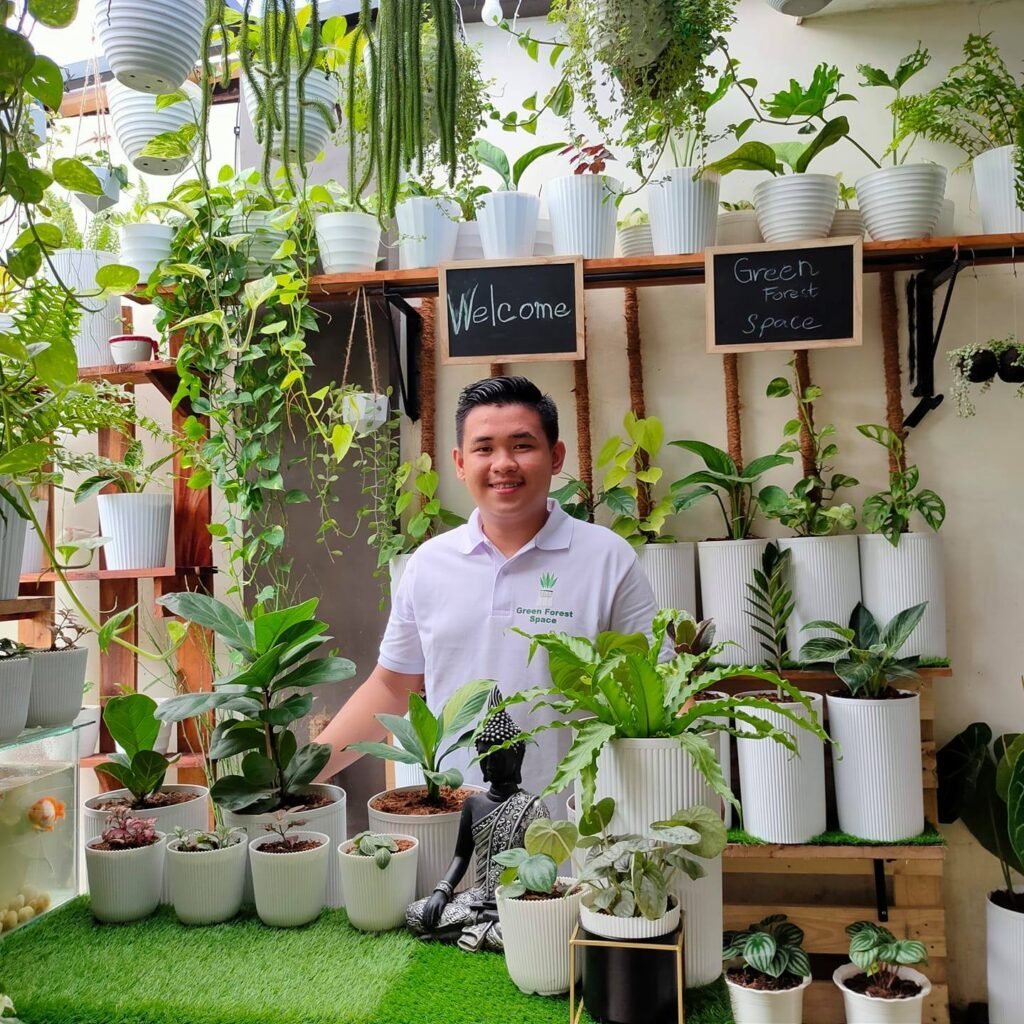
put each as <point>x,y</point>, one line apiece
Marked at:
<point>806,675</point>
<point>120,574</point>
<point>162,373</point>
<point>774,851</point>
<point>186,761</point>
<point>25,607</point>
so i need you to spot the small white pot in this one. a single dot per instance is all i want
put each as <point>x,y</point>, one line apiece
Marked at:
<point>87,723</point>
<point>994,178</point>
<point>903,201</point>
<point>863,1009</point>
<point>111,186</point>
<point>428,229</point>
<point>544,244</point>
<point>877,768</point>
<point>143,246</point>
<point>536,935</point>
<point>349,242</point>
<point>33,558</point>
<point>783,794</point>
<point>263,243</point>
<point>636,241</point>
<point>138,526</point>
<point>738,227</point>
<point>13,538</point>
<point>15,691</point>
<point>671,571</point>
<point>320,88</point>
<point>607,926</point>
<point>895,578</point>
<point>126,348</point>
<point>289,887</point>
<point>1004,939</point>
<point>508,224</point>
<point>58,679</point>
<point>726,567</point>
<point>796,207</point>
<point>206,887</point>
<point>844,224</point>
<point>365,412</point>
<point>684,211</point>
<point>375,899</point>
<point>582,209</point>
<point>751,1006</point>
<point>100,317</point>
<point>137,122</point>
<point>467,243</point>
<point>124,885</point>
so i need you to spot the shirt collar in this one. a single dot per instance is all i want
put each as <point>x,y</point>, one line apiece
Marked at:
<point>554,535</point>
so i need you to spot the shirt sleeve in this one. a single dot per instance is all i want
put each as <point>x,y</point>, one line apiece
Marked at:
<point>401,649</point>
<point>634,607</point>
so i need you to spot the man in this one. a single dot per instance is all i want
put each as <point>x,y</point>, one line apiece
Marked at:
<point>520,562</point>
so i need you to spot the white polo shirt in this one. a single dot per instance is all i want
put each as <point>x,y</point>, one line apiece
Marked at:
<point>460,597</point>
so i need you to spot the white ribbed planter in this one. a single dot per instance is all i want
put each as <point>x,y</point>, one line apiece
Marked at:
<point>151,45</point>
<point>137,121</point>
<point>684,212</point>
<point>895,578</point>
<point>639,30</point>
<point>15,690</point>
<point>428,228</point>
<point>945,227</point>
<point>994,178</point>
<point>902,202</point>
<point>1004,939</point>
<point>536,935</point>
<point>544,244</point>
<point>726,567</point>
<point>264,242</point>
<point>783,795</point>
<point>87,723</point>
<point>467,242</point>
<point>844,224</point>
<point>751,1006</point>
<point>124,885</point>
<point>796,207</point>
<point>127,348</point>
<point>76,269</point>
<point>824,576</point>
<point>348,241</point>
<point>330,820</point>
<point>508,224</point>
<point>650,780</point>
<point>671,571</point>
<point>319,87</point>
<point>877,768</point>
<point>861,1009</point>
<point>608,926</point>
<point>289,887</point>
<point>143,246</point>
<point>58,679</point>
<point>206,887</point>
<point>365,412</point>
<point>13,538</point>
<point>738,227</point>
<point>138,526</point>
<point>33,556</point>
<point>582,209</point>
<point>375,899</point>
<point>636,241</point>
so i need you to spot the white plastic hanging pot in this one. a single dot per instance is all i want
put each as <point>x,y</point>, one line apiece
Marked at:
<point>508,224</point>
<point>638,31</point>
<point>428,229</point>
<point>755,1006</point>
<point>726,567</point>
<point>738,227</point>
<point>1004,940</point>
<point>846,223</point>
<point>348,241</point>
<point>376,899</point>
<point>263,242</point>
<point>671,571</point>
<point>319,90</point>
<point>137,122</point>
<point>111,186</point>
<point>864,1009</point>
<point>100,316</point>
<point>467,243</point>
<point>582,210</point>
<point>903,201</point>
<point>138,526</point>
<point>684,211</point>
<point>796,207</point>
<point>365,412</point>
<point>636,241</point>
<point>143,246</point>
<point>994,178</point>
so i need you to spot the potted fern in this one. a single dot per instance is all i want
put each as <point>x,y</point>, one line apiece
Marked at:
<point>378,879</point>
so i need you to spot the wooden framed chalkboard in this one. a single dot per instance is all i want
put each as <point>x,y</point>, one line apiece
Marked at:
<point>793,296</point>
<point>511,311</point>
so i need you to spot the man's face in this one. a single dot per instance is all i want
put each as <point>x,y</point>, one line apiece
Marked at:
<point>506,461</point>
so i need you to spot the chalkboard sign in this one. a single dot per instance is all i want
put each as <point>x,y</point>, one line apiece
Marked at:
<point>784,296</point>
<point>511,311</point>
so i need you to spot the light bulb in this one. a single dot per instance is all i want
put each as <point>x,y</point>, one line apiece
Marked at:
<point>491,14</point>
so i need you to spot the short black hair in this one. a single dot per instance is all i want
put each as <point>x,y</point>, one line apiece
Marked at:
<point>507,391</point>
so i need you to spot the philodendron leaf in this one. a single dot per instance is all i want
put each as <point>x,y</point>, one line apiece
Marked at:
<point>73,174</point>
<point>556,839</point>
<point>116,279</point>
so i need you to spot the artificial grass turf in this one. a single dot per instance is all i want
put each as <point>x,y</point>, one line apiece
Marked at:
<point>929,837</point>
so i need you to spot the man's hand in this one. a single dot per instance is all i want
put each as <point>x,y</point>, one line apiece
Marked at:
<point>434,908</point>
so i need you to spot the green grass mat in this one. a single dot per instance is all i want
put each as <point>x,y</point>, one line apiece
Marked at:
<point>66,969</point>
<point>929,837</point>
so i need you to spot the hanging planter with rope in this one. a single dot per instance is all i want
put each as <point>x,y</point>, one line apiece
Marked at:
<point>363,411</point>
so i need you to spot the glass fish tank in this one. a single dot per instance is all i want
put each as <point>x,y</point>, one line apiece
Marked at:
<point>38,824</point>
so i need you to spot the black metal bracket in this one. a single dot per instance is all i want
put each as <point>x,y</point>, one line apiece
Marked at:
<point>409,380</point>
<point>881,894</point>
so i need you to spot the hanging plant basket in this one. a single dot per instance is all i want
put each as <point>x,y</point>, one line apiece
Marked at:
<point>111,185</point>
<point>137,122</point>
<point>1011,366</point>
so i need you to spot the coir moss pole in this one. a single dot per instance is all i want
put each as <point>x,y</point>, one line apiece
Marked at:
<point>733,407</point>
<point>891,363</point>
<point>637,403</point>
<point>581,388</point>
<point>428,379</point>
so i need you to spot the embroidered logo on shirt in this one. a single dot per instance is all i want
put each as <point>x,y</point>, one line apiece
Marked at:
<point>547,590</point>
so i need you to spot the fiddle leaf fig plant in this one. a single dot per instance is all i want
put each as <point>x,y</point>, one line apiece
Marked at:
<point>132,723</point>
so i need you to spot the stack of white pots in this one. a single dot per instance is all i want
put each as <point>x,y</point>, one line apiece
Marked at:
<point>320,89</point>
<point>796,207</point>
<point>428,229</point>
<point>684,211</point>
<point>143,246</point>
<point>636,240</point>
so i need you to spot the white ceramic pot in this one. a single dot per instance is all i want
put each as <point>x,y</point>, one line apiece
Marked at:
<point>945,227</point>
<point>263,243</point>
<point>111,186</point>
<point>207,887</point>
<point>738,227</point>
<point>671,571</point>
<point>58,679</point>
<point>13,539</point>
<point>138,526</point>
<point>124,885</point>
<point>376,899</point>
<point>151,45</point>
<point>726,567</point>
<point>751,1006</point>
<point>428,229</point>
<point>127,348</point>
<point>878,766</point>
<point>508,224</point>
<point>15,691</point>
<point>608,926</point>
<point>143,246</point>
<point>684,211</point>
<point>636,241</point>
<point>100,317</point>
<point>994,179</point>
<point>33,557</point>
<point>544,244</point>
<point>319,88</point>
<point>582,210</point>
<point>895,578</point>
<point>348,242</point>
<point>862,1009</point>
<point>639,31</point>
<point>365,412</point>
<point>330,820</point>
<point>137,122</point>
<point>903,201</point>
<point>844,224</point>
<point>783,794</point>
<point>87,723</point>
<point>796,207</point>
<point>467,243</point>
<point>536,934</point>
<point>824,576</point>
<point>289,887</point>
<point>1004,940</point>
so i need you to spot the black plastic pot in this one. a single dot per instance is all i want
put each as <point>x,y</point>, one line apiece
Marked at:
<point>1009,371</point>
<point>982,367</point>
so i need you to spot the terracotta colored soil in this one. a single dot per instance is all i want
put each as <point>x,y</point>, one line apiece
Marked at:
<point>150,803</point>
<point>282,846</point>
<point>863,985</point>
<point>749,978</point>
<point>414,801</point>
<point>110,847</point>
<point>559,892</point>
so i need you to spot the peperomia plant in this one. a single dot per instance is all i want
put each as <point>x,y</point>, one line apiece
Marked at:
<point>773,947</point>
<point>880,955</point>
<point>375,845</point>
<point>534,866</point>
<point>132,723</point>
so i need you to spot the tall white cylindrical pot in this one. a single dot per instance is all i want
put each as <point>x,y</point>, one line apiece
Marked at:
<point>15,691</point>
<point>124,885</point>
<point>87,722</point>
<point>783,794</point>
<point>375,898</point>
<point>33,557</point>
<point>796,207</point>
<point>649,780</point>
<point>636,241</point>
<point>582,210</point>
<point>428,229</point>
<point>544,243</point>
<point>13,539</point>
<point>143,246</point>
<point>994,180</point>
<point>726,567</point>
<point>895,578</point>
<point>348,241</point>
<point>671,571</point>
<point>58,682</point>
<point>877,768</point>
<point>903,201</point>
<point>206,887</point>
<point>738,227</point>
<point>76,269</point>
<point>137,122</point>
<point>754,1006</point>
<point>138,526</point>
<point>847,222</point>
<point>864,1009</point>
<point>824,577</point>
<point>467,243</point>
<point>1004,939</point>
<point>319,88</point>
<point>684,211</point>
<point>288,888</point>
<point>508,224</point>
<point>536,935</point>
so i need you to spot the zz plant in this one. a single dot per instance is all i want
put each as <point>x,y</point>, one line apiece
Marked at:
<point>773,947</point>
<point>770,604</point>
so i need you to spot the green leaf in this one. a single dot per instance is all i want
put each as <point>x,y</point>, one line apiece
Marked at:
<point>212,614</point>
<point>131,722</point>
<point>538,873</point>
<point>236,793</point>
<point>259,770</point>
<point>288,711</point>
<point>385,752</point>
<point>554,838</point>
<point>959,765</point>
<point>902,625</point>
<point>174,145</point>
<point>779,387</point>
<point>464,706</point>
<point>759,951</point>
<point>169,99</point>
<point>72,174</point>
<point>306,765</point>
<point>1012,747</point>
<point>495,159</point>
<point>751,156</point>
<point>45,82</point>
<point>714,458</point>
<point>53,13</point>
<point>1015,809</point>
<point>233,737</point>
<point>705,822</point>
<point>426,727</point>
<point>833,131</point>
<point>529,157</point>
<point>117,279</point>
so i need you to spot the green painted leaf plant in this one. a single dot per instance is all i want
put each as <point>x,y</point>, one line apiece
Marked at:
<point>533,867</point>
<point>773,948</point>
<point>880,955</point>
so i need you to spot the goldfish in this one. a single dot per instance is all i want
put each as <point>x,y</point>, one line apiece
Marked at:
<point>44,814</point>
